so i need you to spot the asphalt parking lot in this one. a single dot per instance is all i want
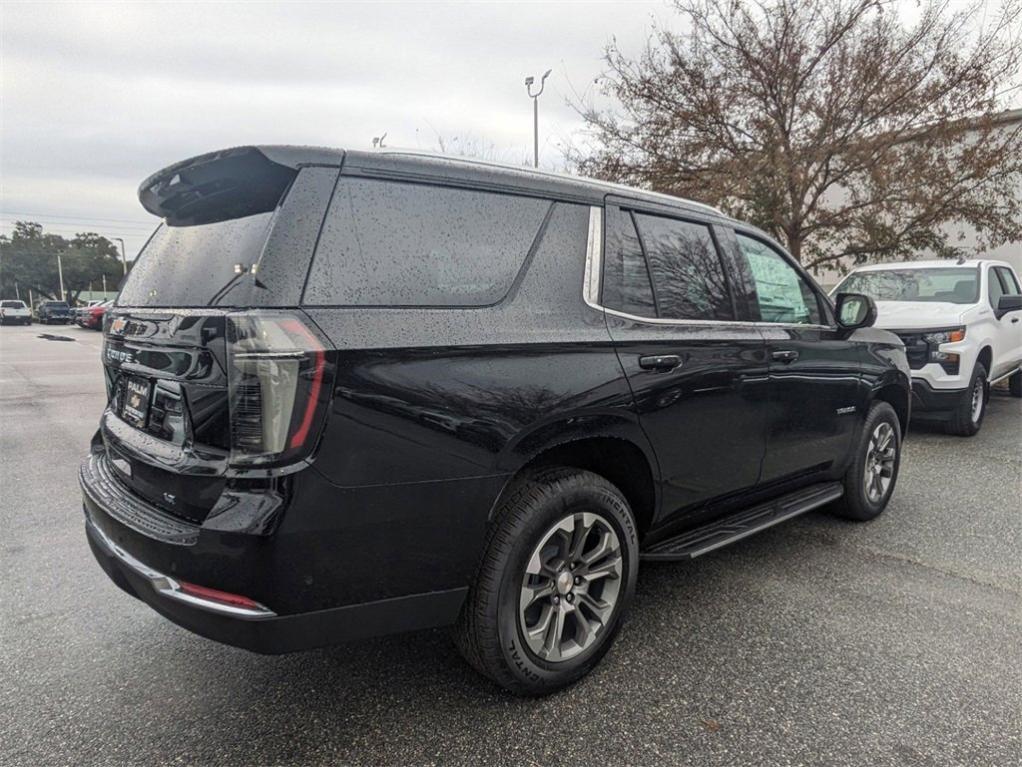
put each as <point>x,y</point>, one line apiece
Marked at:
<point>820,642</point>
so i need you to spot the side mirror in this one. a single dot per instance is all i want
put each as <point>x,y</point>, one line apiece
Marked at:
<point>855,310</point>
<point>1008,304</point>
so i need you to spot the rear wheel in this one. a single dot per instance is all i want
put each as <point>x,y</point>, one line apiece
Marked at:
<point>558,571</point>
<point>1015,384</point>
<point>873,472</point>
<point>968,415</point>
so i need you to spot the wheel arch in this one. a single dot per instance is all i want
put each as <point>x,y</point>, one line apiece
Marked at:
<point>898,397</point>
<point>986,357</point>
<point>631,467</point>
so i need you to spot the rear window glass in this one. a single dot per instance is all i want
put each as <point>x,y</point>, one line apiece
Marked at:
<point>394,244</point>
<point>12,305</point>
<point>626,283</point>
<point>195,265</point>
<point>688,277</point>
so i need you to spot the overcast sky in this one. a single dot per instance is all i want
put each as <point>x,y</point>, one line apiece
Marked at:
<point>98,96</point>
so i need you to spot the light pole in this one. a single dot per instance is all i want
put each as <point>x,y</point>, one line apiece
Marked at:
<point>535,112</point>
<point>124,260</point>
<point>60,275</point>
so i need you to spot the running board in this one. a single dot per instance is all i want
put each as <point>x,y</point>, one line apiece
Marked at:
<point>720,532</point>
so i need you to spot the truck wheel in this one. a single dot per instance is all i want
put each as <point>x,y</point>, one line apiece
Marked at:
<point>556,576</point>
<point>967,416</point>
<point>1015,384</point>
<point>873,472</point>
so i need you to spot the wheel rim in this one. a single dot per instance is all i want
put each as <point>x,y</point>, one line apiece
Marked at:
<point>977,400</point>
<point>881,454</point>
<point>570,590</point>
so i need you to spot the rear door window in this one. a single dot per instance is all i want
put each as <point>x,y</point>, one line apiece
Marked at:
<point>688,276</point>
<point>386,243</point>
<point>626,282</point>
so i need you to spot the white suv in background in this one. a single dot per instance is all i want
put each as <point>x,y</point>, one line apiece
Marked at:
<point>14,312</point>
<point>962,327</point>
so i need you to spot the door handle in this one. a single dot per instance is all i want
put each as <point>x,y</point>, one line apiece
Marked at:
<point>1014,320</point>
<point>661,363</point>
<point>785,355</point>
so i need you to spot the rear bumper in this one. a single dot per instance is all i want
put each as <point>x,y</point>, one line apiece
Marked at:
<point>929,401</point>
<point>150,555</point>
<point>263,631</point>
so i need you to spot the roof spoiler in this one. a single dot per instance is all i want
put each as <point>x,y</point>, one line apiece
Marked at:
<point>218,186</point>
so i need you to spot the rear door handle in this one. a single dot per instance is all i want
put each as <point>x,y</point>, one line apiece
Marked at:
<point>785,355</point>
<point>662,363</point>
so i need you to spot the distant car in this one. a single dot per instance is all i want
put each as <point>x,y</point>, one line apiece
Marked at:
<point>48,312</point>
<point>79,313</point>
<point>961,324</point>
<point>92,316</point>
<point>14,312</point>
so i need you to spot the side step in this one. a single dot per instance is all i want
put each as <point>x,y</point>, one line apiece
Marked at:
<point>720,532</point>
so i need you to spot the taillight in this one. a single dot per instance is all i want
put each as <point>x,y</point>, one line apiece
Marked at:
<point>278,387</point>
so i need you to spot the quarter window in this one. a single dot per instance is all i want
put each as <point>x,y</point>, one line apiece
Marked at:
<point>393,244</point>
<point>688,277</point>
<point>782,294</point>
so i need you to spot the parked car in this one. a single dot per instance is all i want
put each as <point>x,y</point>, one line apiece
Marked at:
<point>14,312</point>
<point>48,312</point>
<point>92,316</point>
<point>962,328</point>
<point>353,393</point>
<point>81,312</point>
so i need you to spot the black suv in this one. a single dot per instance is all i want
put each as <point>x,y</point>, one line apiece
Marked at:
<point>354,393</point>
<point>48,312</point>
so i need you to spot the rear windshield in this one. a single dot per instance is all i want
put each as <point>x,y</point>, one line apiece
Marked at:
<point>195,265</point>
<point>955,285</point>
<point>54,304</point>
<point>12,304</point>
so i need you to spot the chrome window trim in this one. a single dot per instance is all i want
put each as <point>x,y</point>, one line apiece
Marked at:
<point>593,274</point>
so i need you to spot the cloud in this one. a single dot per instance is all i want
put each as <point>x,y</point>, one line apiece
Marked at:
<point>98,96</point>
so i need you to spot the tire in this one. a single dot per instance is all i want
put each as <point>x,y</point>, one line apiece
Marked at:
<point>537,526</point>
<point>1015,384</point>
<point>967,417</point>
<point>862,503</point>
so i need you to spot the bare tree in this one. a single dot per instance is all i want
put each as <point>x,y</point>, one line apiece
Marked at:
<point>834,125</point>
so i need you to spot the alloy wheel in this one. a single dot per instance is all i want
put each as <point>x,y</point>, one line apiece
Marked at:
<point>881,454</point>
<point>570,590</point>
<point>977,400</point>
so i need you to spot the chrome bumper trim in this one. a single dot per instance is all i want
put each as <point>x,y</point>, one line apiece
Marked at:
<point>166,586</point>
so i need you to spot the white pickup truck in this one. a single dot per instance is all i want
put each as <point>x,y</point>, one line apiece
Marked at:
<point>14,312</point>
<point>962,327</point>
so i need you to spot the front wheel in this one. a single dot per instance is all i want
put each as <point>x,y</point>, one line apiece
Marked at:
<point>968,415</point>
<point>873,472</point>
<point>558,571</point>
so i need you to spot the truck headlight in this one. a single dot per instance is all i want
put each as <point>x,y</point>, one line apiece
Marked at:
<point>947,360</point>
<point>949,336</point>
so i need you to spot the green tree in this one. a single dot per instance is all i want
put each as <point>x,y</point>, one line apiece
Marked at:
<point>28,258</point>
<point>845,132</point>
